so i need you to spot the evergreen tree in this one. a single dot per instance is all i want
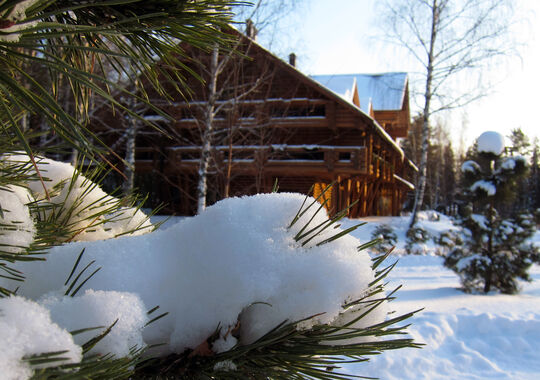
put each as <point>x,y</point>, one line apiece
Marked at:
<point>494,252</point>
<point>520,146</point>
<point>534,178</point>
<point>386,238</point>
<point>519,141</point>
<point>449,180</point>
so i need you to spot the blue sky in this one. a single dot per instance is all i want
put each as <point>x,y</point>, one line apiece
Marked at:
<point>339,36</point>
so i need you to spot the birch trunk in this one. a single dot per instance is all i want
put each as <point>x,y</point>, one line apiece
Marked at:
<point>129,170</point>
<point>208,126</point>
<point>421,185</point>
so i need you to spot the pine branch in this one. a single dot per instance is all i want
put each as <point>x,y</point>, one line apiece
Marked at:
<point>291,351</point>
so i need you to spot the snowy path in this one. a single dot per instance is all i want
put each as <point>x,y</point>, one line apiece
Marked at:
<point>466,336</point>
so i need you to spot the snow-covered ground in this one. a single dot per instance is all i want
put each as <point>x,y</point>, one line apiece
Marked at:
<point>467,336</point>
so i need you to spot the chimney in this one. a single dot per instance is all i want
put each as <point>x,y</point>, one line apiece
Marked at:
<point>251,31</point>
<point>292,59</point>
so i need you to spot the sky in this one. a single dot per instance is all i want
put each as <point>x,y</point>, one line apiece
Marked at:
<point>340,37</point>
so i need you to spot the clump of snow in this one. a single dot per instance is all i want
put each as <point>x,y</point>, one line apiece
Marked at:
<point>485,186</point>
<point>26,329</point>
<point>465,262</point>
<point>224,343</point>
<point>480,220</point>
<point>16,227</point>
<point>491,142</point>
<point>226,365</point>
<point>236,260</point>
<point>470,166</point>
<point>417,248</point>
<point>15,21</point>
<point>508,164</point>
<point>100,308</point>
<point>84,207</point>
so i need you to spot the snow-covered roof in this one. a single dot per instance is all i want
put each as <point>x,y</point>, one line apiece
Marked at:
<point>404,181</point>
<point>384,91</point>
<point>344,86</point>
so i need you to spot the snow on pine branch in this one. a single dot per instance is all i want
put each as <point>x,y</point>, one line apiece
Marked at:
<point>238,261</point>
<point>470,166</point>
<point>16,227</point>
<point>30,328</point>
<point>26,329</point>
<point>485,186</point>
<point>79,204</point>
<point>13,21</point>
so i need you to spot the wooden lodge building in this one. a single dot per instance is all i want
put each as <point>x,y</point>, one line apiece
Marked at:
<point>260,120</point>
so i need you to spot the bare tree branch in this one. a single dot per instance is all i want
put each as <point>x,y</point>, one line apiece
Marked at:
<point>454,41</point>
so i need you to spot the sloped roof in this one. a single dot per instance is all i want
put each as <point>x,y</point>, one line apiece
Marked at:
<point>344,86</point>
<point>384,91</point>
<point>342,98</point>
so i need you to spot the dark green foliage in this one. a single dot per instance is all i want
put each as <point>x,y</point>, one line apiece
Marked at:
<point>449,239</point>
<point>498,264</point>
<point>91,367</point>
<point>81,43</point>
<point>534,179</point>
<point>536,216</point>
<point>386,238</point>
<point>503,172</point>
<point>494,252</point>
<point>519,141</point>
<point>416,237</point>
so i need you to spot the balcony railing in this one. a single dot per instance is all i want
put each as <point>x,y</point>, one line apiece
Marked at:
<point>304,159</point>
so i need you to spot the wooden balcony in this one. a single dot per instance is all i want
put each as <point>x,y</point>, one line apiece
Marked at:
<point>304,160</point>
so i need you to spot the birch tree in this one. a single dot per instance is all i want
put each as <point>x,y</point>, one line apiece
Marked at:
<point>208,127</point>
<point>265,14</point>
<point>226,88</point>
<point>454,42</point>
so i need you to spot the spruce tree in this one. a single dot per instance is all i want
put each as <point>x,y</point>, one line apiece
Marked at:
<point>494,252</point>
<point>534,179</point>
<point>520,146</point>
